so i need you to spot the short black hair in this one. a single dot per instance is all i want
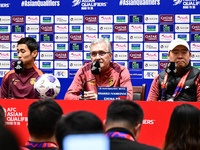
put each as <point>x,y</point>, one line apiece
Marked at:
<point>76,123</point>
<point>124,110</point>
<point>2,116</point>
<point>30,42</point>
<point>42,118</point>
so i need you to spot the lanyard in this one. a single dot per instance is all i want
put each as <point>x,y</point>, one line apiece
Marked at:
<point>179,86</point>
<point>120,135</point>
<point>41,144</point>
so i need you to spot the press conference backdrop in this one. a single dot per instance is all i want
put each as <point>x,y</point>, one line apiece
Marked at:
<point>140,32</point>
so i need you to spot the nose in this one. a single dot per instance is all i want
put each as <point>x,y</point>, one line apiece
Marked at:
<point>180,55</point>
<point>19,55</point>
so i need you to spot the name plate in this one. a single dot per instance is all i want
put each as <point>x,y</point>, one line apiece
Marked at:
<point>111,93</point>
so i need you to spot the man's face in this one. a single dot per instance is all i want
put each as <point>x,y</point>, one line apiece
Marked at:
<point>180,55</point>
<point>25,55</point>
<point>103,58</point>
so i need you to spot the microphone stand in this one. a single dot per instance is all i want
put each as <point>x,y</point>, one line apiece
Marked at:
<point>10,94</point>
<point>82,96</point>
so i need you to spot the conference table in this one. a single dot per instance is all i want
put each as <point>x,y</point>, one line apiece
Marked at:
<point>154,127</point>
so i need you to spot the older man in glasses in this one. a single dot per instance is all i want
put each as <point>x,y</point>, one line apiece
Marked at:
<point>112,74</point>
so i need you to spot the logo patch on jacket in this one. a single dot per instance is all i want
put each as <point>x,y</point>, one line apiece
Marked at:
<point>110,81</point>
<point>32,81</point>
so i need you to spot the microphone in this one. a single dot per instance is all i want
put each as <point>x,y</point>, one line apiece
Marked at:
<point>95,69</point>
<point>171,68</point>
<point>18,67</point>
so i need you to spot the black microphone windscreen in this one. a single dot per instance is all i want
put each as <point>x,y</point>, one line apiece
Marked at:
<point>171,68</point>
<point>19,67</point>
<point>95,68</point>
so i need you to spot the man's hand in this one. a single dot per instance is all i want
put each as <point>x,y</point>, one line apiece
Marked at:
<point>90,95</point>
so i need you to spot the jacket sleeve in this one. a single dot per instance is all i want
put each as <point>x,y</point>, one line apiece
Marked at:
<point>197,83</point>
<point>73,92</point>
<point>4,87</point>
<point>154,90</point>
<point>125,81</point>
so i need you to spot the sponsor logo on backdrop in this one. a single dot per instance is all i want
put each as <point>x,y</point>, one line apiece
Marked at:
<point>4,28</point>
<point>14,46</point>
<point>163,55</point>
<point>120,55</point>
<point>61,19</point>
<point>4,64</point>
<point>150,74</point>
<point>61,28</point>
<point>35,36</point>
<point>136,74</point>
<point>46,37</point>
<point>136,19</point>
<point>60,64</point>
<point>17,28</point>
<point>105,28</point>
<point>182,18</point>
<point>75,64</point>
<point>108,36</point>
<point>120,28</point>
<point>136,55</point>
<point>195,56</point>
<point>4,5</point>
<point>72,73</point>
<point>46,19</point>
<point>40,3</point>
<point>90,19</point>
<point>4,55</point>
<point>76,46</point>
<point>123,63</point>
<point>135,46</point>
<point>61,73</point>
<point>17,37</point>
<point>163,64</point>
<point>136,65</point>
<point>166,28</point>
<point>150,37</point>
<point>87,46</point>
<point>87,56</point>
<point>76,19</point>
<point>166,37</point>
<point>46,55</point>
<point>195,37</point>
<point>195,46</point>
<point>120,46</point>
<point>195,27</point>
<point>164,46</point>
<point>150,46</point>
<point>46,64</point>
<point>182,28</point>
<point>138,3</point>
<point>90,37</point>
<point>4,46</point>
<point>46,46</point>
<point>166,18</point>
<point>121,37</point>
<point>75,56</point>
<point>150,55</point>
<point>61,55</point>
<point>105,19</point>
<point>90,28</point>
<point>14,55</point>
<point>182,36</point>
<point>136,37</point>
<point>88,4</point>
<point>18,19</point>
<point>120,19</point>
<point>151,18</point>
<point>5,20</point>
<point>4,37</point>
<point>61,37</point>
<point>46,28</point>
<point>3,72</point>
<point>32,19</point>
<point>32,28</point>
<point>189,4</point>
<point>196,64</point>
<point>61,46</point>
<point>76,28</point>
<point>76,37</point>
<point>150,65</point>
<point>195,18</point>
<point>150,28</point>
<point>135,28</point>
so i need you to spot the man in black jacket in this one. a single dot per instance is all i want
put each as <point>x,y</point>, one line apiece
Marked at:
<point>123,124</point>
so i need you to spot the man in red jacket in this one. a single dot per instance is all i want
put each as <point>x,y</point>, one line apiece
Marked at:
<point>111,75</point>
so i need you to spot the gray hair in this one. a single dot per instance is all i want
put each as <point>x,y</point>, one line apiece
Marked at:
<point>100,40</point>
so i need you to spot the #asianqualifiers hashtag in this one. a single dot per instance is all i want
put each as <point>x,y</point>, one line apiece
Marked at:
<point>40,3</point>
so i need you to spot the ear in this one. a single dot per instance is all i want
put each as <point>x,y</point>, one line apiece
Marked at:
<point>136,131</point>
<point>104,124</point>
<point>168,56</point>
<point>111,55</point>
<point>190,55</point>
<point>34,53</point>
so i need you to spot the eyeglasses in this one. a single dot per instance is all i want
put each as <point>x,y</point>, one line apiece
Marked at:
<point>94,54</point>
